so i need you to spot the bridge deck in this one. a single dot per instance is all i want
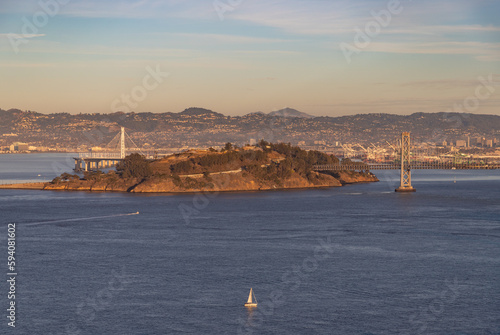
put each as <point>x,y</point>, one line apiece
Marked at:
<point>414,166</point>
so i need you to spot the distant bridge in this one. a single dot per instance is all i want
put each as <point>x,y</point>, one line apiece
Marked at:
<point>96,160</point>
<point>413,165</point>
<point>405,165</point>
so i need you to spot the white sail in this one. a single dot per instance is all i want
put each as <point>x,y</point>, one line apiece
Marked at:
<point>250,297</point>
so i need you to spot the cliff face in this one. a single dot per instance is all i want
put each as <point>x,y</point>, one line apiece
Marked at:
<point>240,181</point>
<point>351,177</point>
<point>88,185</point>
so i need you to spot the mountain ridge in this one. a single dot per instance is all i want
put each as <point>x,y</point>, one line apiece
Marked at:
<point>200,127</point>
<point>290,112</point>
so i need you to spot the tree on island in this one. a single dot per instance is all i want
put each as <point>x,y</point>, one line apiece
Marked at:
<point>65,177</point>
<point>228,147</point>
<point>134,166</point>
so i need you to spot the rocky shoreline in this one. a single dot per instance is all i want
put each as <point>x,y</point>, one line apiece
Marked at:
<point>237,182</point>
<point>23,186</point>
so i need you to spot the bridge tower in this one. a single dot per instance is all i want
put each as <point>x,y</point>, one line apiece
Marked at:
<point>405,165</point>
<point>122,143</point>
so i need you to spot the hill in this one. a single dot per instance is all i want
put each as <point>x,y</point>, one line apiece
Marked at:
<point>290,112</point>
<point>200,112</point>
<point>198,127</point>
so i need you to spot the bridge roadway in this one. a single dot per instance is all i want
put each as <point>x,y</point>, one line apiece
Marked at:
<point>95,160</point>
<point>413,166</point>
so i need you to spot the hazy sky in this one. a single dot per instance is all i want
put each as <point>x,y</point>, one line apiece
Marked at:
<point>323,57</point>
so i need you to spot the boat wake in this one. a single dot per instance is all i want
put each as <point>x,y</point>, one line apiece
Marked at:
<point>80,219</point>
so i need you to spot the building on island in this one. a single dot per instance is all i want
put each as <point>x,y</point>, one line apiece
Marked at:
<point>19,146</point>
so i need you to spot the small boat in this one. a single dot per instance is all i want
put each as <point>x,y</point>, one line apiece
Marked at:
<point>251,297</point>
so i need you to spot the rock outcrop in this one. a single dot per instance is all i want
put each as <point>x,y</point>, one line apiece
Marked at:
<point>232,182</point>
<point>351,177</point>
<point>239,182</point>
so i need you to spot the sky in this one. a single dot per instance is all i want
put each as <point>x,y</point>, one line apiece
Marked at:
<point>322,57</point>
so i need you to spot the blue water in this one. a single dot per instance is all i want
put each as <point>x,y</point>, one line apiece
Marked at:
<point>360,259</point>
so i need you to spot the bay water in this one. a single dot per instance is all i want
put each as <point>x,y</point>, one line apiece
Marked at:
<point>359,259</point>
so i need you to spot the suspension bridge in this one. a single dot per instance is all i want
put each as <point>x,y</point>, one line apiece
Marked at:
<point>115,151</point>
<point>406,163</point>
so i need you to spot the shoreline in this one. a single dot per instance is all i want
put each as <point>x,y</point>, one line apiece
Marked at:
<point>37,152</point>
<point>41,187</point>
<point>24,186</point>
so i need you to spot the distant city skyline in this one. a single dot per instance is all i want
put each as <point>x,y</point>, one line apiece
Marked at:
<point>237,57</point>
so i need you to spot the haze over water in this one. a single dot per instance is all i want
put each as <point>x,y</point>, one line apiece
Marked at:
<point>360,259</point>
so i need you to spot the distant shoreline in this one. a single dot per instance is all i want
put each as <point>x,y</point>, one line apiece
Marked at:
<point>42,187</point>
<point>37,152</point>
<point>24,186</point>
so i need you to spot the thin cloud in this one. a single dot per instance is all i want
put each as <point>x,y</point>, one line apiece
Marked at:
<point>440,30</point>
<point>476,49</point>
<point>43,46</point>
<point>225,38</point>
<point>26,65</point>
<point>340,18</point>
<point>442,84</point>
<point>142,9</point>
<point>21,35</point>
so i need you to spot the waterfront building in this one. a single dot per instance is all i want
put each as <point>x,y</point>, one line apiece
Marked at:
<point>19,146</point>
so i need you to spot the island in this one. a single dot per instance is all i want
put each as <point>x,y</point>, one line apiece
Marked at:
<point>265,166</point>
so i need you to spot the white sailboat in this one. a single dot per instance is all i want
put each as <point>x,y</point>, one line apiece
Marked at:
<point>251,297</point>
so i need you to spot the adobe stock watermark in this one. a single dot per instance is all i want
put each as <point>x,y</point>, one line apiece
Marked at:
<point>483,91</point>
<point>392,179</point>
<point>459,112</point>
<point>224,6</point>
<point>291,281</point>
<point>363,37</point>
<point>201,200</point>
<point>31,27</point>
<point>274,129</point>
<point>89,309</point>
<point>454,120</point>
<point>419,322</point>
<point>139,93</point>
<point>96,136</point>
